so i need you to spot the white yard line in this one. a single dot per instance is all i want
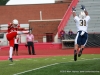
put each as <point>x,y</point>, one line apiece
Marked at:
<point>35,60</point>
<point>36,69</point>
<point>82,58</point>
<point>64,58</point>
<point>17,60</point>
<point>52,65</point>
<point>12,64</point>
<point>29,59</point>
<point>53,59</point>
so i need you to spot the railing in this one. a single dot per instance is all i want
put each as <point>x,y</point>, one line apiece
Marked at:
<point>67,16</point>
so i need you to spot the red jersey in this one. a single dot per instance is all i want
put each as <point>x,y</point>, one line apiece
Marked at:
<point>11,28</point>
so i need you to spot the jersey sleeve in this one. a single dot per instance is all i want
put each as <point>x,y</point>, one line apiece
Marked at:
<point>76,18</point>
<point>87,18</point>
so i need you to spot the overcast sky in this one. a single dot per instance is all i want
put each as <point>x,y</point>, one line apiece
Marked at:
<point>19,2</point>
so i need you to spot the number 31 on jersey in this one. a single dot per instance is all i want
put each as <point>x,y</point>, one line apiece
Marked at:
<point>82,22</point>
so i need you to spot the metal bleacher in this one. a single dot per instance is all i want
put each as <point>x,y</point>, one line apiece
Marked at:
<point>93,8</point>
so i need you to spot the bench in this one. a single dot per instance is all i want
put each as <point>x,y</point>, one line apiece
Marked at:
<point>67,43</point>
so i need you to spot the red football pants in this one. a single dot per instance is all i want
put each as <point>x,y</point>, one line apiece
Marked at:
<point>10,38</point>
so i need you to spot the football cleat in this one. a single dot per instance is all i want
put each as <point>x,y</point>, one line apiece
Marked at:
<point>80,53</point>
<point>75,55</point>
<point>11,59</point>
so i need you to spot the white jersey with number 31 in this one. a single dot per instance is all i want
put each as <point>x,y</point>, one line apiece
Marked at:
<point>82,24</point>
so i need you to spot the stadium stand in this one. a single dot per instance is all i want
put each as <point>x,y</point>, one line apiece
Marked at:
<point>94,25</point>
<point>93,8</point>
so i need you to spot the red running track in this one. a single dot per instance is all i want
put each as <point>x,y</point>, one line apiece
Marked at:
<point>44,50</point>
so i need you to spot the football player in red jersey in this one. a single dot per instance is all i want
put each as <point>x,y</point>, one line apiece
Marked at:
<point>13,30</point>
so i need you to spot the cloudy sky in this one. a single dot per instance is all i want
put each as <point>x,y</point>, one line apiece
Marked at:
<point>18,2</point>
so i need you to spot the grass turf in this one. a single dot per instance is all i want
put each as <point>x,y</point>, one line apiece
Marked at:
<point>42,66</point>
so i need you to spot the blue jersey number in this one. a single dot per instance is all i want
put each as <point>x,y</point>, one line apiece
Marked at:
<point>82,22</point>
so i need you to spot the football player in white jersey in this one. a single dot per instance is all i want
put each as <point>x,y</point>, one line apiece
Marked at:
<point>82,26</point>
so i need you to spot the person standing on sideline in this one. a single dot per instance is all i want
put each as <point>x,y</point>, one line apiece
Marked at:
<point>16,44</point>
<point>29,43</point>
<point>82,26</point>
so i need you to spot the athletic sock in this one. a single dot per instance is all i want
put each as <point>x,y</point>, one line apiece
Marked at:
<point>82,49</point>
<point>10,52</point>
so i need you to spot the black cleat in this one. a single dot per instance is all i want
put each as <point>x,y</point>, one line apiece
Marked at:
<point>80,53</point>
<point>75,55</point>
<point>11,59</point>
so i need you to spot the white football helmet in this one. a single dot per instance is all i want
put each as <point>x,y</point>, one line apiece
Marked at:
<point>15,21</point>
<point>82,15</point>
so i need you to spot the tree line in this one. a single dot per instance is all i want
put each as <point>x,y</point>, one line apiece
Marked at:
<point>3,2</point>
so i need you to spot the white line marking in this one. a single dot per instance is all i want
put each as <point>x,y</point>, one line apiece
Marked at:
<point>12,64</point>
<point>82,58</point>
<point>51,65</point>
<point>46,59</point>
<point>36,68</point>
<point>53,59</point>
<point>29,59</point>
<point>17,60</point>
<point>64,58</point>
<point>72,59</point>
<point>88,59</point>
<point>96,58</point>
<point>35,60</point>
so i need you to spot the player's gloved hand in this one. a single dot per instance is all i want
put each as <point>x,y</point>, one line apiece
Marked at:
<point>82,7</point>
<point>73,9</point>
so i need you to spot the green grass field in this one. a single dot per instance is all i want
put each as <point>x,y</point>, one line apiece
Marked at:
<point>57,65</point>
